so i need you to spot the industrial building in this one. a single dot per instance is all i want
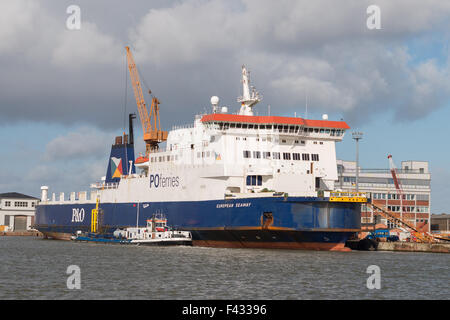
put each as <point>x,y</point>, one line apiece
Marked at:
<point>17,211</point>
<point>414,205</point>
<point>440,223</point>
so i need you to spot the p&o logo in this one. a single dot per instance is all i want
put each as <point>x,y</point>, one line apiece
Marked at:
<point>160,181</point>
<point>78,215</point>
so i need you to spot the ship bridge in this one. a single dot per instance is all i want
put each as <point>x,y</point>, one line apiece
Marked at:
<point>291,126</point>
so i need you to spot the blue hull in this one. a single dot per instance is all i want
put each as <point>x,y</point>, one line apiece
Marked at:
<point>296,222</point>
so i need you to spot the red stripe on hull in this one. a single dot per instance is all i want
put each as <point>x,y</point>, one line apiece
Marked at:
<point>273,245</point>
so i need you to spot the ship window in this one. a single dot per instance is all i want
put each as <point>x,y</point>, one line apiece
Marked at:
<point>262,126</point>
<point>305,156</point>
<point>286,156</point>
<point>286,128</point>
<point>302,142</point>
<point>291,129</point>
<point>246,154</point>
<point>283,141</point>
<point>232,125</point>
<point>244,126</point>
<point>314,157</point>
<point>254,180</point>
<point>257,154</point>
<point>310,129</point>
<point>327,131</point>
<point>316,130</point>
<point>238,125</point>
<point>296,156</point>
<point>269,126</point>
<point>333,132</point>
<point>266,155</point>
<point>296,141</point>
<point>250,126</point>
<point>280,128</point>
<point>276,155</point>
<point>322,130</point>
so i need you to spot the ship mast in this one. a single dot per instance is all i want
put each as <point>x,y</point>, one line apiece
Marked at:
<point>249,97</point>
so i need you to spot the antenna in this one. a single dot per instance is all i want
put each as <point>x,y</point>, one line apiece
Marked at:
<point>306,106</point>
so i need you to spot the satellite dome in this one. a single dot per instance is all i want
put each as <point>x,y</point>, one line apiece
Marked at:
<point>214,100</point>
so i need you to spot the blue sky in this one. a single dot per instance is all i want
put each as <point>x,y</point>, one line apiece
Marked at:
<point>62,92</point>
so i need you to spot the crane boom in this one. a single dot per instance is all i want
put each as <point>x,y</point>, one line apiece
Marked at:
<point>153,134</point>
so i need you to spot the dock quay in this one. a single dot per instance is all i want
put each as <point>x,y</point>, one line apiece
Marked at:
<point>22,233</point>
<point>414,247</point>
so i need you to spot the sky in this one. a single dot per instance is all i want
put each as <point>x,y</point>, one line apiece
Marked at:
<point>64,93</point>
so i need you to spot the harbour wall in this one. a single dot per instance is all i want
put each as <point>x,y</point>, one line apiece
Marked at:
<point>414,247</point>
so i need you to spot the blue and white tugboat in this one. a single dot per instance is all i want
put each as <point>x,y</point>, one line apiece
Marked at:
<point>157,232</point>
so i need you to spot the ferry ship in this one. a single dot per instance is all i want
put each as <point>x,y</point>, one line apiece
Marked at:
<point>231,179</point>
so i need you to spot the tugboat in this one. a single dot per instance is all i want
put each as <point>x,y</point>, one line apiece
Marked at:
<point>157,232</point>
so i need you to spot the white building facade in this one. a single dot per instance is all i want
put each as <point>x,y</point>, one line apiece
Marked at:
<point>17,211</point>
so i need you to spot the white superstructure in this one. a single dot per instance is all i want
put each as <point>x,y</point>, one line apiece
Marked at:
<point>233,155</point>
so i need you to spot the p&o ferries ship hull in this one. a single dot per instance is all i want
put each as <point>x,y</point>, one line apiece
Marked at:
<point>269,222</point>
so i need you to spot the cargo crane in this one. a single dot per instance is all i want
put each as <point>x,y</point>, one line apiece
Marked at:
<point>418,236</point>
<point>151,126</point>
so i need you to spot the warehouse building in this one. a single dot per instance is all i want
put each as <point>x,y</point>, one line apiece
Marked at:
<point>413,206</point>
<point>17,211</point>
<point>440,223</point>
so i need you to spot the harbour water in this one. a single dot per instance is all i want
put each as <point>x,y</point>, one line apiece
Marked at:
<point>34,268</point>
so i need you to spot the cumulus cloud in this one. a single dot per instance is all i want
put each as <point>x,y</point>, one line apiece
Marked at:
<point>85,142</point>
<point>190,50</point>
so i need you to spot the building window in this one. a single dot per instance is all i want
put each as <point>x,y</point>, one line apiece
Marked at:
<point>286,156</point>
<point>20,204</point>
<point>7,203</point>
<point>254,180</point>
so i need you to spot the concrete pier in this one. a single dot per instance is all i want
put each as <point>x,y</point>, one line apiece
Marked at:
<point>414,247</point>
<point>22,233</point>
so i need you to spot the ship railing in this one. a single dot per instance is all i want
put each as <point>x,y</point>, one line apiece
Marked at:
<point>100,185</point>
<point>348,194</point>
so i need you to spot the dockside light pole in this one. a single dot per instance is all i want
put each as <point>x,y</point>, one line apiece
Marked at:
<point>357,135</point>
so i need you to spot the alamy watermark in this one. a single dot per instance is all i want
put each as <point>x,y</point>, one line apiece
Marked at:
<point>73,22</point>
<point>74,278</point>
<point>374,19</point>
<point>374,281</point>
